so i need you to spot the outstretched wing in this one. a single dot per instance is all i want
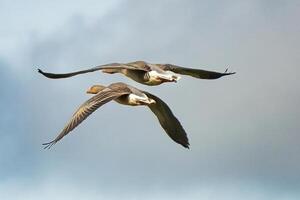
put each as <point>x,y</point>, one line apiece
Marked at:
<point>197,73</point>
<point>85,110</point>
<point>168,121</point>
<point>97,68</point>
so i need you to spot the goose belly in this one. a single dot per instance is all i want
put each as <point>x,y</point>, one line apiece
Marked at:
<point>136,75</point>
<point>124,100</point>
<point>153,82</point>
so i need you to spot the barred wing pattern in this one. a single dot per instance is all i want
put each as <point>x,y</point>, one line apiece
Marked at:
<point>85,110</point>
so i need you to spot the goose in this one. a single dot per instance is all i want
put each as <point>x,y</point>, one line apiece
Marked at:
<point>145,73</point>
<point>127,95</point>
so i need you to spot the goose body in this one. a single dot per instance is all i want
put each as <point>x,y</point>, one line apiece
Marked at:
<point>127,95</point>
<point>145,73</point>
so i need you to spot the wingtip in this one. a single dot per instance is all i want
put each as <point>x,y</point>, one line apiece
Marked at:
<point>186,145</point>
<point>228,73</point>
<point>48,145</point>
<point>48,75</point>
<point>40,71</point>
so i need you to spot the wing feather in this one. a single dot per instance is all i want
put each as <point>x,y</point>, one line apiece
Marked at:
<point>168,121</point>
<point>97,68</point>
<point>197,73</point>
<point>85,110</point>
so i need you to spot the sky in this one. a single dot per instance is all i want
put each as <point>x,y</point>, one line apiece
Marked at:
<point>243,129</point>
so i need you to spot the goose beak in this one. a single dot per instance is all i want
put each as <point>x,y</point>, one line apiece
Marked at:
<point>151,101</point>
<point>171,79</point>
<point>148,101</point>
<point>176,78</point>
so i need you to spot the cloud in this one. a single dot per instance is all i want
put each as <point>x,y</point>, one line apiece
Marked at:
<point>242,127</point>
<point>66,190</point>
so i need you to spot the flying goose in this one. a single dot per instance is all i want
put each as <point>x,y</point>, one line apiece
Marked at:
<point>145,73</point>
<point>127,95</point>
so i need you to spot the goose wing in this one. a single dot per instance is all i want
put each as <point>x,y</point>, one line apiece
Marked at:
<point>168,121</point>
<point>97,68</point>
<point>86,109</point>
<point>197,73</point>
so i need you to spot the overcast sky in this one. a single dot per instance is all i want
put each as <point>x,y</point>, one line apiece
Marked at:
<point>243,129</point>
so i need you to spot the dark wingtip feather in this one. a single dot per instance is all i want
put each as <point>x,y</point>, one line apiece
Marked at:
<point>226,73</point>
<point>48,145</point>
<point>50,75</point>
<point>230,73</point>
<point>185,144</point>
<point>42,72</point>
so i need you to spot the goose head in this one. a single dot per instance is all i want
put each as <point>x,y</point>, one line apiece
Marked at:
<point>140,99</point>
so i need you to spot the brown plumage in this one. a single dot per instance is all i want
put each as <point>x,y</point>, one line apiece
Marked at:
<point>128,95</point>
<point>145,73</point>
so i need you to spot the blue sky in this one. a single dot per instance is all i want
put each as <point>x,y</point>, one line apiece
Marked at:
<point>243,129</point>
